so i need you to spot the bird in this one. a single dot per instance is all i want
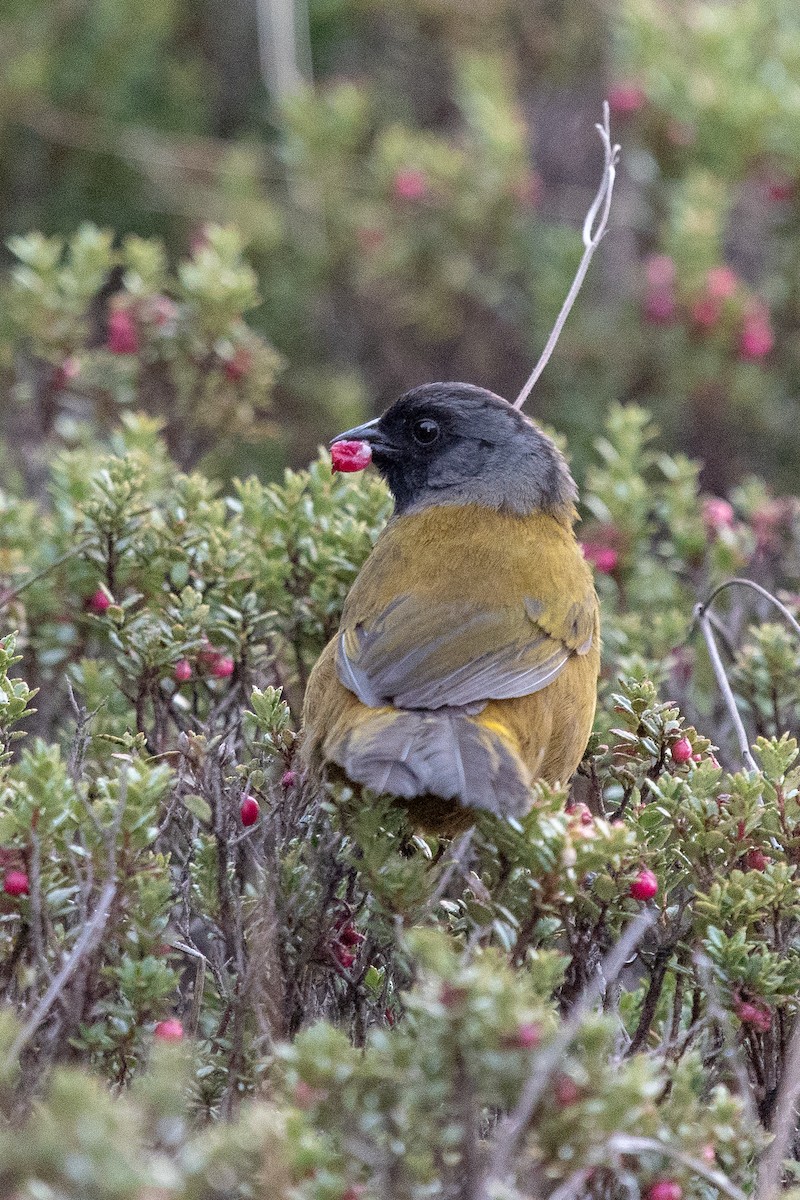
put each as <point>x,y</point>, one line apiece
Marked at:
<point>466,661</point>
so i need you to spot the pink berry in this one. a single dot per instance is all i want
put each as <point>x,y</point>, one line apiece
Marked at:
<point>659,308</point>
<point>757,860</point>
<point>664,1189</point>
<point>350,456</point>
<point>16,883</point>
<point>718,514</point>
<point>410,184</point>
<point>682,751</point>
<point>249,810</point>
<point>644,886</point>
<point>288,779</point>
<point>708,1153</point>
<point>122,337</point>
<point>660,271</point>
<point>239,365</point>
<point>756,339</point>
<point>604,559</point>
<point>169,1031</point>
<point>65,372</point>
<point>222,667</point>
<point>99,602</point>
<point>757,1015</point>
<point>721,283</point>
<point>566,1091</point>
<point>706,312</point>
<point>626,98</point>
<point>182,671</point>
<point>527,1036</point>
<point>162,311</point>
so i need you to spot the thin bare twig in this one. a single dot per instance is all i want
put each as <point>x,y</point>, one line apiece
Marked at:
<point>537,1083</point>
<point>770,1170</point>
<point>702,618</point>
<point>762,591</point>
<point>90,934</point>
<point>601,205</point>
<point>7,597</point>
<point>625,1143</point>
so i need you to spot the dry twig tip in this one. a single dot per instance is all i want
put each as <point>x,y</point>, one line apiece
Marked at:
<point>592,236</point>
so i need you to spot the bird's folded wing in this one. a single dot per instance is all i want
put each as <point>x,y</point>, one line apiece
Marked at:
<point>445,654</point>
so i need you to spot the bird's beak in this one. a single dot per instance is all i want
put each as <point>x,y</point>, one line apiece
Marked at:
<point>371,433</point>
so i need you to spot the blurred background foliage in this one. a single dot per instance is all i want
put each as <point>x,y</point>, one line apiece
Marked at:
<point>411,214</point>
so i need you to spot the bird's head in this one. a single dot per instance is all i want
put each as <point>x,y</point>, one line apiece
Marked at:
<point>452,443</point>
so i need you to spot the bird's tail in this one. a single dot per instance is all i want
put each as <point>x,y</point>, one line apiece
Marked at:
<point>444,754</point>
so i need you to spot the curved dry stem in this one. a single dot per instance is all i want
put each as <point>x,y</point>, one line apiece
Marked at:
<point>592,236</point>
<point>703,619</point>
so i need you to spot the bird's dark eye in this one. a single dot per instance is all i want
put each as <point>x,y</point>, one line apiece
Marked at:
<point>425,431</point>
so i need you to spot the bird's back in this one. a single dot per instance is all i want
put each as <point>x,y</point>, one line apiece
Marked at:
<point>479,675</point>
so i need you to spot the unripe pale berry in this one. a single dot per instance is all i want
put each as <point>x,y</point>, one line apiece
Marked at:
<point>249,810</point>
<point>169,1031</point>
<point>182,671</point>
<point>664,1189</point>
<point>350,456</point>
<point>16,883</point>
<point>682,750</point>
<point>644,886</point>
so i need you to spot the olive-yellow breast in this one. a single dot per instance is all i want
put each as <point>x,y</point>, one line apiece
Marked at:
<point>466,662</point>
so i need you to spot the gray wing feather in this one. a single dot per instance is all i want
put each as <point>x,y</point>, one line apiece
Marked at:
<point>373,664</point>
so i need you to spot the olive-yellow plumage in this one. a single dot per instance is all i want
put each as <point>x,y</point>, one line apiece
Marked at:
<point>467,657</point>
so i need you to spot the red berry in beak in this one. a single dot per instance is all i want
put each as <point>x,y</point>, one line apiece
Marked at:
<point>350,456</point>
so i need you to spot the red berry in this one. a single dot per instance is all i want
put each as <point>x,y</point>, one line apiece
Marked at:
<point>122,337</point>
<point>566,1091</point>
<point>410,184</point>
<point>99,602</point>
<point>706,312</point>
<point>604,559</point>
<point>182,671</point>
<point>169,1031</point>
<point>350,456</point>
<point>288,779</point>
<point>343,956</point>
<point>756,339</point>
<point>644,886</point>
<point>682,751</point>
<point>222,667</point>
<point>239,365</point>
<point>626,98</point>
<point>350,936</point>
<point>757,860</point>
<point>660,308</point>
<point>664,1189</point>
<point>754,1014</point>
<point>249,810</point>
<point>16,883</point>
<point>527,1036</point>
